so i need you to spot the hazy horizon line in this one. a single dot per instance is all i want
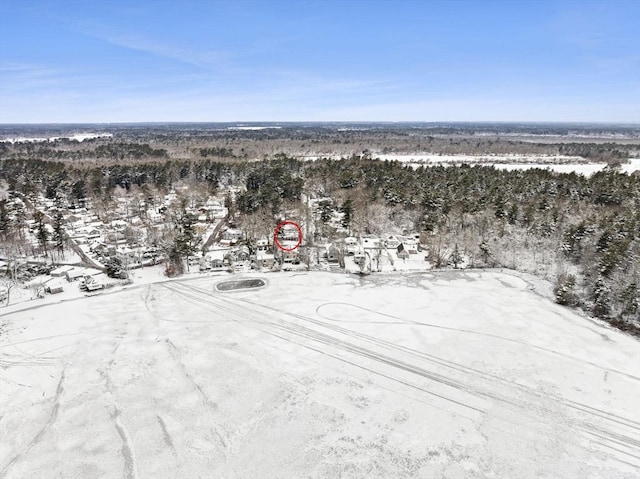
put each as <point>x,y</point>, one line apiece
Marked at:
<point>345,122</point>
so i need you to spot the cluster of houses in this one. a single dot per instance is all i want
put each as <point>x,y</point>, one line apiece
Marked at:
<point>368,252</point>
<point>403,246</point>
<point>130,229</point>
<point>236,255</point>
<point>86,278</point>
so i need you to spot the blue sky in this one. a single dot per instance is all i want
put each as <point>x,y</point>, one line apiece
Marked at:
<point>126,61</point>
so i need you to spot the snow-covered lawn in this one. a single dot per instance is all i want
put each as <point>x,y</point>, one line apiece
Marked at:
<point>318,375</point>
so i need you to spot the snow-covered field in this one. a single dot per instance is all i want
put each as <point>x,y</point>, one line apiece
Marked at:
<point>318,375</point>
<point>558,163</point>
<point>580,168</point>
<point>80,137</point>
<point>491,159</point>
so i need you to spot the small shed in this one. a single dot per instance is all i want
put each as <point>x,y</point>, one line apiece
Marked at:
<point>53,288</point>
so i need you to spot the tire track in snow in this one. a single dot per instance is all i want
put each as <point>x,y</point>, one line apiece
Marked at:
<point>53,415</point>
<point>465,369</point>
<point>165,434</point>
<point>436,360</point>
<point>130,470</point>
<point>630,443</point>
<point>399,320</point>
<point>459,367</point>
<point>4,345</point>
<point>176,354</point>
<point>196,295</point>
<point>147,299</point>
<point>9,364</point>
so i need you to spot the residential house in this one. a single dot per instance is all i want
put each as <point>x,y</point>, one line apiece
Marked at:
<point>241,254</point>
<point>74,274</point>
<point>80,239</point>
<point>93,233</point>
<point>290,256</point>
<point>409,243</point>
<point>232,235</point>
<point>216,258</point>
<point>392,241</point>
<point>60,272</point>
<point>263,260</point>
<point>289,233</point>
<point>127,255</point>
<point>262,244</point>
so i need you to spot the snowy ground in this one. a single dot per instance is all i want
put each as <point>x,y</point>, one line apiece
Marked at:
<point>438,159</point>
<point>76,136</point>
<point>318,375</point>
<point>558,163</point>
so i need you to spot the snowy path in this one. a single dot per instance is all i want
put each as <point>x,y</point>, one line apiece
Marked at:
<point>318,375</point>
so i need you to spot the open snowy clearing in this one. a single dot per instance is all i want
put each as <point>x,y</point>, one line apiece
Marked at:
<point>557,163</point>
<point>318,375</point>
<point>80,137</point>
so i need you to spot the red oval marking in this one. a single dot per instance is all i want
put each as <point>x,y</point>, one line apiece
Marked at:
<point>275,235</point>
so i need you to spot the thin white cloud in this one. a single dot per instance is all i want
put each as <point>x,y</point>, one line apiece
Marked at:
<point>27,70</point>
<point>204,59</point>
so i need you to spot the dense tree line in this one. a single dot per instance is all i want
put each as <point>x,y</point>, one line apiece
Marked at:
<point>120,151</point>
<point>597,151</point>
<point>109,150</point>
<point>217,151</point>
<point>225,141</point>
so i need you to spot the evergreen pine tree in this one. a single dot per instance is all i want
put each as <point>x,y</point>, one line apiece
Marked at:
<point>58,231</point>
<point>41,231</point>
<point>601,299</point>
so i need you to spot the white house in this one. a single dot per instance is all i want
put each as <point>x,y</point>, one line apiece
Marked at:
<point>264,260</point>
<point>74,274</point>
<point>215,257</point>
<point>410,244</point>
<point>262,244</point>
<point>392,241</point>
<point>232,235</point>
